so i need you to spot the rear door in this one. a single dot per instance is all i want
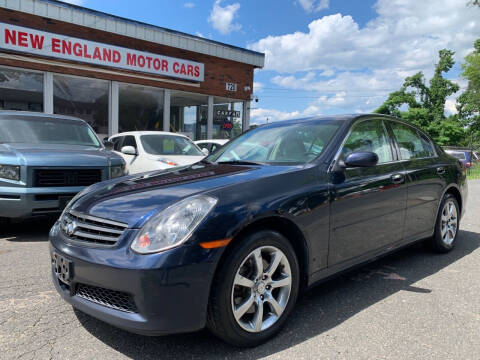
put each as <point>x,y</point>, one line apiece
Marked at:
<point>425,177</point>
<point>368,204</point>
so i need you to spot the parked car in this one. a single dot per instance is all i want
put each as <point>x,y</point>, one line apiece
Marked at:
<point>155,150</point>
<point>211,145</point>
<point>463,155</point>
<point>230,242</point>
<point>46,159</point>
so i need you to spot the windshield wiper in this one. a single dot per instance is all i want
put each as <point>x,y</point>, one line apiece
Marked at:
<point>241,162</point>
<point>205,161</point>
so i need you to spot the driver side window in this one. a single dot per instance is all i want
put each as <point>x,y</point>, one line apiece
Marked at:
<point>369,135</point>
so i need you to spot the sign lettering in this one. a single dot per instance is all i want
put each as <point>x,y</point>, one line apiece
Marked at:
<point>43,43</point>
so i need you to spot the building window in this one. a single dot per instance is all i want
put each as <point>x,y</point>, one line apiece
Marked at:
<point>140,108</point>
<point>188,114</point>
<point>85,98</point>
<point>227,118</point>
<point>21,90</point>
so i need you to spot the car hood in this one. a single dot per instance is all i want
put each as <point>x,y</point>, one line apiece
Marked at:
<point>58,155</point>
<point>180,160</point>
<point>135,198</point>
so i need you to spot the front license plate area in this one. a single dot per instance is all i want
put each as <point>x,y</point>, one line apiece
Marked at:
<point>63,268</point>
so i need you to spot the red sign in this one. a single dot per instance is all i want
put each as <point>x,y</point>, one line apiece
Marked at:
<point>43,43</point>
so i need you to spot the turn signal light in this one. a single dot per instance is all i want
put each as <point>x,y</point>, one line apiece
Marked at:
<point>144,241</point>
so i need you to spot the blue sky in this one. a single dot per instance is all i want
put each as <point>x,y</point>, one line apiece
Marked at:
<point>322,56</point>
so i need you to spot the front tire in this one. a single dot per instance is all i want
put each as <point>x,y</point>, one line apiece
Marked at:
<point>446,226</point>
<point>254,290</point>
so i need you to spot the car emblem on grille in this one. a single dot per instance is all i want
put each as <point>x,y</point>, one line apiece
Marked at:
<point>70,228</point>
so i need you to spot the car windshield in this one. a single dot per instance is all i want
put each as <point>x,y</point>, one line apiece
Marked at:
<point>47,131</point>
<point>458,155</point>
<point>279,144</point>
<point>169,145</point>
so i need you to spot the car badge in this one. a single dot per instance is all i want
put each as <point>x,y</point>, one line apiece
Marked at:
<point>71,228</point>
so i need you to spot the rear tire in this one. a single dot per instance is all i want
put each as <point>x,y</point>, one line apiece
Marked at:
<point>254,289</point>
<point>447,225</point>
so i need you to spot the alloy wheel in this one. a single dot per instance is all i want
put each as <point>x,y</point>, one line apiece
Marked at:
<point>261,289</point>
<point>449,223</point>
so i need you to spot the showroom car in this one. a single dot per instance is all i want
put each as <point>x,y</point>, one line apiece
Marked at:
<point>155,150</point>
<point>229,243</point>
<point>211,145</point>
<point>46,159</point>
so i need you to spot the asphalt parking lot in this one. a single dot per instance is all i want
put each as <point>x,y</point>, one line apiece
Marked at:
<point>413,304</point>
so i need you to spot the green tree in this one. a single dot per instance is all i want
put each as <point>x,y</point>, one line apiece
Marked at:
<point>425,103</point>
<point>468,104</point>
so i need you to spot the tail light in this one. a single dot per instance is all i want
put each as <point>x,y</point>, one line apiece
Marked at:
<point>468,164</point>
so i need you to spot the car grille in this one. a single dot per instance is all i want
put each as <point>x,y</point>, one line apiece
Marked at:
<point>90,229</point>
<point>113,299</point>
<point>66,177</point>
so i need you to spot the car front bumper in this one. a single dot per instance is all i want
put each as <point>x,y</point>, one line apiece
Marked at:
<point>169,290</point>
<point>17,202</point>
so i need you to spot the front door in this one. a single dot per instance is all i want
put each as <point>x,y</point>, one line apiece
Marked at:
<point>368,204</point>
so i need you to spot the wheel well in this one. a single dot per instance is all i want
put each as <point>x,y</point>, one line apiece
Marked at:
<point>288,229</point>
<point>454,191</point>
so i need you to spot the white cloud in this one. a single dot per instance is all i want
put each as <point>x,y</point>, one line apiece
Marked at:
<point>451,106</point>
<point>222,18</point>
<point>314,5</point>
<point>189,5</point>
<point>198,33</point>
<point>257,87</point>
<point>352,67</point>
<point>260,116</point>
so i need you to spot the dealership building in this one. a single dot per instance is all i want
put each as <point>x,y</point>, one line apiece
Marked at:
<point>119,74</point>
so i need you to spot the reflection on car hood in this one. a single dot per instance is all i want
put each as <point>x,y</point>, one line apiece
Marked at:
<point>180,160</point>
<point>134,198</point>
<point>58,155</point>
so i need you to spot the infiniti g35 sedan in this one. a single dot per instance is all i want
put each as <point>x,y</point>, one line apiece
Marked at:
<point>230,242</point>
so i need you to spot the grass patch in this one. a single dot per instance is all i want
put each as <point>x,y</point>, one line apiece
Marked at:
<point>474,172</point>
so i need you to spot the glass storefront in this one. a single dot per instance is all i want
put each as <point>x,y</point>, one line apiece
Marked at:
<point>85,98</point>
<point>21,90</point>
<point>139,108</point>
<point>188,114</point>
<point>227,118</point>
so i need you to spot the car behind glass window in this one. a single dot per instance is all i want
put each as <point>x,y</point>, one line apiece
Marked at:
<point>286,143</point>
<point>411,143</point>
<point>169,145</point>
<point>47,131</point>
<point>369,135</point>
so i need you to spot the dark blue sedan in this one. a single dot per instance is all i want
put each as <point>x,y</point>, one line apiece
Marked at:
<point>230,242</point>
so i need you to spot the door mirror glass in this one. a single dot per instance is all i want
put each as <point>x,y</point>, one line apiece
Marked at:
<point>361,159</point>
<point>108,144</point>
<point>129,150</point>
<point>205,151</point>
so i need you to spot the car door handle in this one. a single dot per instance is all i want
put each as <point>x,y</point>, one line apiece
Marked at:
<point>397,178</point>
<point>440,170</point>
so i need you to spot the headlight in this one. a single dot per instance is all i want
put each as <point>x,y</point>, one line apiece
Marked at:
<point>174,225</point>
<point>117,171</point>
<point>10,172</point>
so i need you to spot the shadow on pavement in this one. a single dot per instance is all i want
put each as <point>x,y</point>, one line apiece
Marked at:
<point>27,230</point>
<point>320,309</point>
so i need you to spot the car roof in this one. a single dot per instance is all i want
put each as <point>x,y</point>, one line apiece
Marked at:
<point>149,133</point>
<point>36,115</point>
<point>343,117</point>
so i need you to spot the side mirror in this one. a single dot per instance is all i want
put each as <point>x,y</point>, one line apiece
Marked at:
<point>129,150</point>
<point>108,144</point>
<point>205,151</point>
<point>361,159</point>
